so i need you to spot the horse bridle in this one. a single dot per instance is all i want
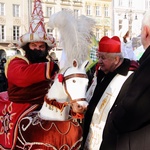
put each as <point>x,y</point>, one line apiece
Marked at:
<point>74,115</point>
<point>80,75</point>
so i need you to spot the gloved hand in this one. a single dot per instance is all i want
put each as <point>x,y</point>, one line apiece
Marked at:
<point>52,70</point>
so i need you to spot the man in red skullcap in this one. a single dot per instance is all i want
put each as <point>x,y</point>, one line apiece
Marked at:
<point>110,81</point>
<point>128,123</point>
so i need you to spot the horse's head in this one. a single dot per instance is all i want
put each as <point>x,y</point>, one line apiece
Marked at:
<point>75,82</point>
<point>69,89</point>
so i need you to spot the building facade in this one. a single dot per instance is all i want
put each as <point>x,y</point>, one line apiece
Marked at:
<point>14,20</point>
<point>128,15</point>
<point>15,17</point>
<point>111,16</point>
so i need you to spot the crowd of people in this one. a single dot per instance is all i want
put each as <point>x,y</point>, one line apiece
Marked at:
<point>118,114</point>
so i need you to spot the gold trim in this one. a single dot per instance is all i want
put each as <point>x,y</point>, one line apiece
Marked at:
<point>11,58</point>
<point>48,70</point>
<point>31,37</point>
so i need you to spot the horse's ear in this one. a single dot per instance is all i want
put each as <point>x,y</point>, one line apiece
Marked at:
<point>85,63</point>
<point>75,63</point>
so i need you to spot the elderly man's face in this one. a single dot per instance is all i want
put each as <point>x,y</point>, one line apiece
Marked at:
<point>107,62</point>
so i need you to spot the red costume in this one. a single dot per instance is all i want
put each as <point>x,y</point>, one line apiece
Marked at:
<point>20,126</point>
<point>27,83</point>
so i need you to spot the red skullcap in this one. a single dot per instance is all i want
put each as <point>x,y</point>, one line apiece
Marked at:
<point>110,45</point>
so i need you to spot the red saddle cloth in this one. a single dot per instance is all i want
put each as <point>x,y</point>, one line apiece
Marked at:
<point>10,115</point>
<point>38,134</point>
<point>22,128</point>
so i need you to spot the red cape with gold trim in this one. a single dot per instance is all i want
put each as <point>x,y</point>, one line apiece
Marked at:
<point>10,115</point>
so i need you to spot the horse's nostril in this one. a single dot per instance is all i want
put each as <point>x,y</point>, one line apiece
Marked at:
<point>79,106</point>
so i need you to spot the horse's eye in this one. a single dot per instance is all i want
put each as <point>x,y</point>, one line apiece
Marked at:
<point>74,81</point>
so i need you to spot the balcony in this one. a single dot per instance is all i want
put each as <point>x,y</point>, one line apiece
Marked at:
<point>7,40</point>
<point>77,3</point>
<point>65,2</point>
<point>49,1</point>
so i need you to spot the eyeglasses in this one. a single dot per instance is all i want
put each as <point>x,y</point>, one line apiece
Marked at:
<point>104,56</point>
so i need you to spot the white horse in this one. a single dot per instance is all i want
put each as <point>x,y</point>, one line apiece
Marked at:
<point>55,125</point>
<point>68,89</point>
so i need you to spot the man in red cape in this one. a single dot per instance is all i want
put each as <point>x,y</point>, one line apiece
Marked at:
<point>29,78</point>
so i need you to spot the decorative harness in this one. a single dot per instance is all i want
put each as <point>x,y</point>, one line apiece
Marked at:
<point>53,102</point>
<point>69,77</point>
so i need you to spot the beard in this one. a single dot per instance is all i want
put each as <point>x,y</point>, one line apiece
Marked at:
<point>35,55</point>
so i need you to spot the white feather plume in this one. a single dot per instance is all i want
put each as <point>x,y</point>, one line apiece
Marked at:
<point>75,35</point>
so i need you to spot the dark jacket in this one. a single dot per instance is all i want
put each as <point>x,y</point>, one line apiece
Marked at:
<point>3,79</point>
<point>128,123</point>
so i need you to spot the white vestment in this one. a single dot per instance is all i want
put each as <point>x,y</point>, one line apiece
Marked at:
<point>108,98</point>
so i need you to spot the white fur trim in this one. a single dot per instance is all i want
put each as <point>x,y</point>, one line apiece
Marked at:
<point>36,37</point>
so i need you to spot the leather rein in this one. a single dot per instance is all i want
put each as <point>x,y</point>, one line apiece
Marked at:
<point>79,75</point>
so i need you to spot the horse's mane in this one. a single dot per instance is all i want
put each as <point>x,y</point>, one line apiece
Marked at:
<point>75,35</point>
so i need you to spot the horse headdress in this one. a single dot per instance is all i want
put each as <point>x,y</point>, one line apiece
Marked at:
<point>75,35</point>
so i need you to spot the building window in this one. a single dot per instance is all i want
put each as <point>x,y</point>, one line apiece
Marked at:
<point>15,10</point>
<point>148,4</point>
<point>76,13</point>
<point>88,10</point>
<point>16,33</point>
<point>130,3</point>
<point>120,3</point>
<point>64,9</point>
<point>98,34</point>
<point>98,11</point>
<point>2,32</point>
<point>2,5</point>
<point>49,31</point>
<point>106,32</point>
<point>106,11</point>
<point>120,24</point>
<point>49,11</point>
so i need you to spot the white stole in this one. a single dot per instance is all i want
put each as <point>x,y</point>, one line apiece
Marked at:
<point>102,109</point>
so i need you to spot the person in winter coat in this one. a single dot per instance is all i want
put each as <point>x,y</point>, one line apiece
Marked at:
<point>128,123</point>
<point>114,72</point>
